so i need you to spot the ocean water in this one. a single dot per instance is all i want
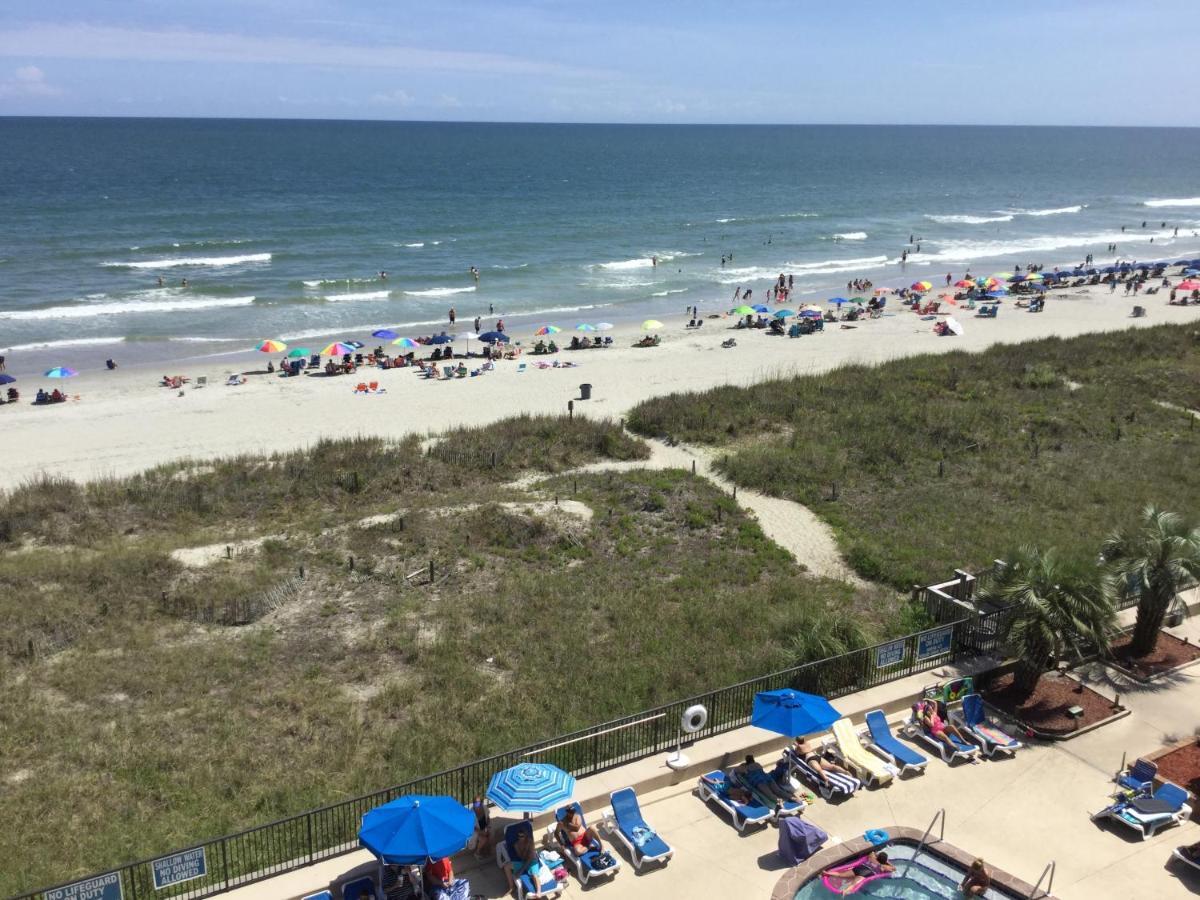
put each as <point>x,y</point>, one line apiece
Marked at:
<point>281,227</point>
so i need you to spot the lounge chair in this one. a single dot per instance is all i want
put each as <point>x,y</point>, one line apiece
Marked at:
<point>640,840</point>
<point>1147,815</point>
<point>1139,777</point>
<point>836,787</point>
<point>1185,859</point>
<point>589,864</point>
<point>991,739</point>
<point>361,888</point>
<point>867,766</point>
<point>915,728</point>
<point>714,786</point>
<point>506,852</point>
<point>887,745</point>
<point>759,790</point>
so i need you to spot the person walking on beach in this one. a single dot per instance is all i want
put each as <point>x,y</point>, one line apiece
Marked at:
<point>947,279</point>
<point>453,316</point>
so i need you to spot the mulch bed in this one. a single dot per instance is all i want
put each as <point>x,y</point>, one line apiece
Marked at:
<point>1045,711</point>
<point>1182,766</point>
<point>1170,653</point>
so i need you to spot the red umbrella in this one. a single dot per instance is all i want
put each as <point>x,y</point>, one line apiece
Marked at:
<point>1189,286</point>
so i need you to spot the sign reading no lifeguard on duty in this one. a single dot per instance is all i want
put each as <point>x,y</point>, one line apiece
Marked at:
<point>102,887</point>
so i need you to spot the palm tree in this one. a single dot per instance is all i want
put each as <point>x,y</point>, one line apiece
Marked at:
<point>1052,607</point>
<point>1151,561</point>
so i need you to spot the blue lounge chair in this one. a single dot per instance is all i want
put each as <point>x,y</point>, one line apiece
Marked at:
<point>758,787</point>
<point>506,851</point>
<point>319,895</point>
<point>991,739</point>
<point>1139,777</point>
<point>714,786</point>
<point>955,750</point>
<point>834,786</point>
<point>1185,859</point>
<point>643,844</point>
<point>591,863</point>
<point>887,745</point>
<point>362,888</point>
<point>1147,815</point>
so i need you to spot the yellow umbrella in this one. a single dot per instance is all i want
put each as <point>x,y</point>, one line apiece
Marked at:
<point>651,324</point>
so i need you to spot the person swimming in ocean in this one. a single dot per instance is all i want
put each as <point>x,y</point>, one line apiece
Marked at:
<point>160,281</point>
<point>183,282</point>
<point>382,275</point>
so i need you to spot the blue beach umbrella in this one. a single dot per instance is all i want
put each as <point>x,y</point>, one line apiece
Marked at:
<point>784,313</point>
<point>61,372</point>
<point>792,713</point>
<point>810,314</point>
<point>6,379</point>
<point>442,338</point>
<point>584,326</point>
<point>1191,271</point>
<point>412,829</point>
<point>759,308</point>
<point>494,337</point>
<point>838,300</point>
<point>385,334</point>
<point>530,787</point>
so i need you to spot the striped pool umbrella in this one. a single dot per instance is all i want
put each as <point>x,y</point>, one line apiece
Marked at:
<point>270,346</point>
<point>406,343</point>
<point>531,787</point>
<point>337,348</point>
<point>584,326</point>
<point>548,329</point>
<point>61,372</point>
<point>651,324</point>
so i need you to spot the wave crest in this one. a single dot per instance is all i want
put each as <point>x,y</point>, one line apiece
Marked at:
<point>210,261</point>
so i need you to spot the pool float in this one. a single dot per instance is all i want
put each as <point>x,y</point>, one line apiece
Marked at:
<point>837,878</point>
<point>877,836</point>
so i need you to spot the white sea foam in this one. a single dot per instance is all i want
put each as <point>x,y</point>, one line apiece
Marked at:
<point>851,236</point>
<point>319,282</point>
<point>122,307</point>
<point>1185,201</point>
<point>191,261</point>
<point>644,262</point>
<point>1062,210</point>
<point>362,295</point>
<point>800,215</point>
<point>730,219</point>
<point>969,220</point>
<point>1038,247</point>
<point>440,292</point>
<point>72,342</point>
<point>416,244</point>
<point>621,285</point>
<point>669,292</point>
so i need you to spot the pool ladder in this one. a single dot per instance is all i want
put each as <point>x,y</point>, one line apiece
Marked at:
<point>939,815</point>
<point>1049,870</point>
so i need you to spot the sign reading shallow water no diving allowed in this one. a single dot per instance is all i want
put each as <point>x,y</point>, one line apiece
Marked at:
<point>102,887</point>
<point>890,654</point>
<point>179,867</point>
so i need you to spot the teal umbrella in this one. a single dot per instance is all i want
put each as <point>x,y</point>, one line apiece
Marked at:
<point>61,372</point>
<point>784,313</point>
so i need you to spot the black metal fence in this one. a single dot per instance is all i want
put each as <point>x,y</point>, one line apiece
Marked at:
<point>300,840</point>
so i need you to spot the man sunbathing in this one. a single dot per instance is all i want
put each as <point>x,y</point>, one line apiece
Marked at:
<point>814,755</point>
<point>579,837</point>
<point>525,863</point>
<point>752,773</point>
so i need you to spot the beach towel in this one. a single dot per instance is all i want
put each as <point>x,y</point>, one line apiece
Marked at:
<point>798,840</point>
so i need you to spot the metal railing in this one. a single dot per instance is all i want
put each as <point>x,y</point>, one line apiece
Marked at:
<point>1049,870</point>
<point>301,840</point>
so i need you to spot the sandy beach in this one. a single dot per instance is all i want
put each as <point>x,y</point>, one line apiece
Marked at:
<point>124,422</point>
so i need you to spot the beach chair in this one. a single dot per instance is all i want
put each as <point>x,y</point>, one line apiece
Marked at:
<point>759,790</point>
<point>547,886</point>
<point>990,737</point>
<point>887,745</point>
<point>1148,815</point>
<point>1178,854</point>
<point>592,863</point>
<point>915,728</point>
<point>520,368</point>
<point>1139,312</point>
<point>201,381</point>
<point>640,840</point>
<point>867,766</point>
<point>360,388</point>
<point>361,888</point>
<point>715,787</point>
<point>837,787</point>
<point>1139,777</point>
<point>319,895</point>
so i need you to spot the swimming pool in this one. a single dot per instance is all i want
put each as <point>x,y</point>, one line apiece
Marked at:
<point>926,876</point>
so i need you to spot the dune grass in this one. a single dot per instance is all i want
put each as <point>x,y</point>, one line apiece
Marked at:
<point>946,461</point>
<point>130,725</point>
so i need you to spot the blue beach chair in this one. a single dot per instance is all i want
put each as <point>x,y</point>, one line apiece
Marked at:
<point>1139,777</point>
<point>834,786</point>
<point>987,733</point>
<point>546,885</point>
<point>955,750</point>
<point>757,786</point>
<point>589,864</point>
<point>887,745</point>
<point>1147,815</point>
<point>714,786</point>
<point>642,842</point>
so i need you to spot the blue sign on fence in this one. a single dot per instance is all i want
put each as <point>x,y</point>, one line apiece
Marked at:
<point>935,643</point>
<point>890,654</point>
<point>179,867</point>
<point>102,887</point>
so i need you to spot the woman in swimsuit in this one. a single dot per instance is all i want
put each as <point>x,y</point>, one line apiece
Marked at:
<point>872,865</point>
<point>977,880</point>
<point>938,727</point>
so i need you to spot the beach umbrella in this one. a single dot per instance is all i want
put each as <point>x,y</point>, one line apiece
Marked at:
<point>548,329</point>
<point>859,300</point>
<point>922,286</point>
<point>604,326</point>
<point>338,348</point>
<point>759,308</point>
<point>270,346</point>
<point>61,372</point>
<point>838,301</point>
<point>651,324</point>
<point>406,343</point>
<point>996,295</point>
<point>385,334</point>
<point>1189,285</point>
<point>792,713</point>
<point>783,313</point>
<point>743,310</point>
<point>1036,276</point>
<point>584,326</point>
<point>530,787</point>
<point>810,314</point>
<point>1002,276</point>
<point>963,283</point>
<point>6,379</point>
<point>1016,278</point>
<point>442,338</point>
<point>412,829</point>
<point>494,337</point>
<point>954,325</point>
<point>1190,272</point>
<point>299,353</point>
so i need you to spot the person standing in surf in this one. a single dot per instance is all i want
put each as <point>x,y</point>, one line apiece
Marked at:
<point>453,316</point>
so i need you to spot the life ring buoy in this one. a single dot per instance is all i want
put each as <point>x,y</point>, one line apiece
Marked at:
<point>693,719</point>
<point>877,837</point>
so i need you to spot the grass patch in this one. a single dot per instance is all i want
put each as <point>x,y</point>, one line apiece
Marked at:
<point>944,461</point>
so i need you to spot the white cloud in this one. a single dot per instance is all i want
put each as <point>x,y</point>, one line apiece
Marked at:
<point>103,42</point>
<point>28,81</point>
<point>448,101</point>
<point>397,97</point>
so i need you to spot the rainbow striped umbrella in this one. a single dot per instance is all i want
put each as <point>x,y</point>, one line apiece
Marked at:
<point>584,326</point>
<point>337,348</point>
<point>922,286</point>
<point>548,329</point>
<point>270,346</point>
<point>61,372</point>
<point>406,343</point>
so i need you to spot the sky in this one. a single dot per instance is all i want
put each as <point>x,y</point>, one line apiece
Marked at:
<point>1070,62</point>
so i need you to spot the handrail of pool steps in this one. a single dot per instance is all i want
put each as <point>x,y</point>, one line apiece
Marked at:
<point>1049,884</point>
<point>940,814</point>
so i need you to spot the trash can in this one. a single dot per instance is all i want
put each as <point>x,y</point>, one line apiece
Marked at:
<point>585,392</point>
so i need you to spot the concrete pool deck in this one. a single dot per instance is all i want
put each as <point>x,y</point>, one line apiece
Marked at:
<point>1018,814</point>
